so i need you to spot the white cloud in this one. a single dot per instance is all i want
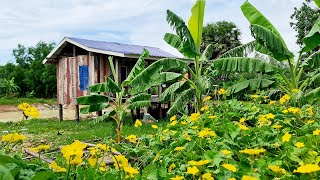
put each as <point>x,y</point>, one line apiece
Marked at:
<point>136,21</point>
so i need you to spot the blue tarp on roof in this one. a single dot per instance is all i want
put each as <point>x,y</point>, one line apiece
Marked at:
<point>121,48</point>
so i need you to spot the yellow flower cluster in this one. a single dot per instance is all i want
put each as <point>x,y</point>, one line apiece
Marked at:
<point>316,132</point>
<point>253,151</point>
<point>28,110</point>
<point>138,123</point>
<point>192,170</point>
<point>222,91</point>
<point>284,99</point>
<point>292,110</point>
<point>226,152</point>
<point>132,138</point>
<point>206,132</point>
<point>13,138</point>
<point>121,162</point>
<point>243,127</point>
<point>194,117</point>
<point>40,148</point>
<point>310,110</point>
<point>299,144</point>
<point>177,178</point>
<point>308,168</point>
<point>57,168</point>
<point>255,96</point>
<point>204,108</point>
<point>230,167</point>
<point>206,98</point>
<point>73,153</point>
<point>277,169</point>
<point>199,163</point>
<point>286,137</point>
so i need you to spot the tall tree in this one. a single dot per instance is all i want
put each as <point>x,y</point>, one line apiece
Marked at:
<point>223,36</point>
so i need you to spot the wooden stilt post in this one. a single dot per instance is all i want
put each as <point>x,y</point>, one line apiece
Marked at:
<point>138,113</point>
<point>77,113</point>
<point>60,112</point>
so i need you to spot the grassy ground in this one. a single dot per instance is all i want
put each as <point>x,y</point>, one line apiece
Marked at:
<point>16,101</point>
<point>43,131</point>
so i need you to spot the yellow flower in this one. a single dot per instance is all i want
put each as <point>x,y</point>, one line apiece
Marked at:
<point>132,138</point>
<point>294,110</point>
<point>242,120</point>
<point>137,123</point>
<point>285,111</point>
<point>299,144</point>
<point>284,99</point>
<point>102,169</point>
<point>194,127</point>
<point>120,161</point>
<point>206,98</point>
<point>173,118</point>
<point>184,122</point>
<point>40,148</point>
<point>179,148</point>
<point>255,96</point>
<point>316,132</point>
<point>194,116</point>
<point>173,123</point>
<point>177,178</point>
<point>245,177</point>
<point>171,167</point>
<point>154,126</point>
<point>232,179</point>
<point>94,151</point>
<point>130,171</point>
<point>230,167</point>
<point>222,91</point>
<point>272,102</point>
<point>310,121</point>
<point>32,112</point>
<point>57,168</point>
<point>92,161</point>
<point>295,90</point>
<point>212,117</point>
<point>226,152</point>
<point>24,106</point>
<point>277,169</point>
<point>206,132</point>
<point>277,145</point>
<point>204,108</point>
<point>156,158</point>
<point>73,153</point>
<point>270,116</point>
<point>286,137</point>
<point>243,127</point>
<point>252,151</point>
<point>104,147</point>
<point>276,126</point>
<point>265,97</point>
<point>310,110</point>
<point>308,168</point>
<point>192,170</point>
<point>207,176</point>
<point>199,163</point>
<point>13,138</point>
<point>186,135</point>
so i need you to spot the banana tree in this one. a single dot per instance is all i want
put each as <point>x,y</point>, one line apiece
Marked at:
<point>187,40</point>
<point>269,42</point>
<point>98,101</point>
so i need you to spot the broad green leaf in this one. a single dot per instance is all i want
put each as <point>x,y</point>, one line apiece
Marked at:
<point>254,16</point>
<point>137,68</point>
<point>317,2</point>
<point>44,175</point>
<point>92,99</point>
<point>150,172</point>
<point>313,61</point>
<point>195,23</point>
<point>240,51</point>
<point>5,173</point>
<point>271,42</point>
<point>94,108</point>
<point>181,101</point>
<point>241,64</point>
<point>172,90</point>
<point>313,96</point>
<point>104,116</point>
<point>252,84</point>
<point>206,54</point>
<point>139,101</point>
<point>174,41</point>
<point>109,86</point>
<point>189,47</point>
<point>312,39</point>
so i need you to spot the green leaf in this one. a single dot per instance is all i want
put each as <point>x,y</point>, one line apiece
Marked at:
<point>252,84</point>
<point>43,175</point>
<point>240,51</point>
<point>271,42</point>
<point>137,68</point>
<point>189,47</point>
<point>317,2</point>
<point>169,93</point>
<point>109,86</point>
<point>94,108</point>
<point>174,41</point>
<point>104,116</point>
<point>241,64</point>
<point>206,54</point>
<point>139,101</point>
<point>313,61</point>
<point>254,16</point>
<point>181,101</point>
<point>93,99</point>
<point>313,96</point>
<point>312,39</point>
<point>5,173</point>
<point>195,23</point>
<point>150,172</point>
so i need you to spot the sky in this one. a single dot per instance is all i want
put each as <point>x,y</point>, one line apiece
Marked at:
<point>141,22</point>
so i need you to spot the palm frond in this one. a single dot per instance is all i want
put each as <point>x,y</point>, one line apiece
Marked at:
<point>181,101</point>
<point>173,90</point>
<point>313,61</point>
<point>271,42</point>
<point>251,84</point>
<point>240,51</point>
<point>206,54</point>
<point>139,101</point>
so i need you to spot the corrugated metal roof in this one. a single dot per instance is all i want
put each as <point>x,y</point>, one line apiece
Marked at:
<point>121,48</point>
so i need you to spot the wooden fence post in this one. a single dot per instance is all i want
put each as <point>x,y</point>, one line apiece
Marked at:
<point>60,112</point>
<point>77,113</point>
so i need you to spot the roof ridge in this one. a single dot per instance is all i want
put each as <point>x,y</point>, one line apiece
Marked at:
<point>113,42</point>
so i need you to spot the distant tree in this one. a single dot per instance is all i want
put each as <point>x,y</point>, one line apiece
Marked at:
<point>8,87</point>
<point>304,18</point>
<point>223,35</point>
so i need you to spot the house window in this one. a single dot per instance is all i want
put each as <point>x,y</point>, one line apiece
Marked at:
<point>84,77</point>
